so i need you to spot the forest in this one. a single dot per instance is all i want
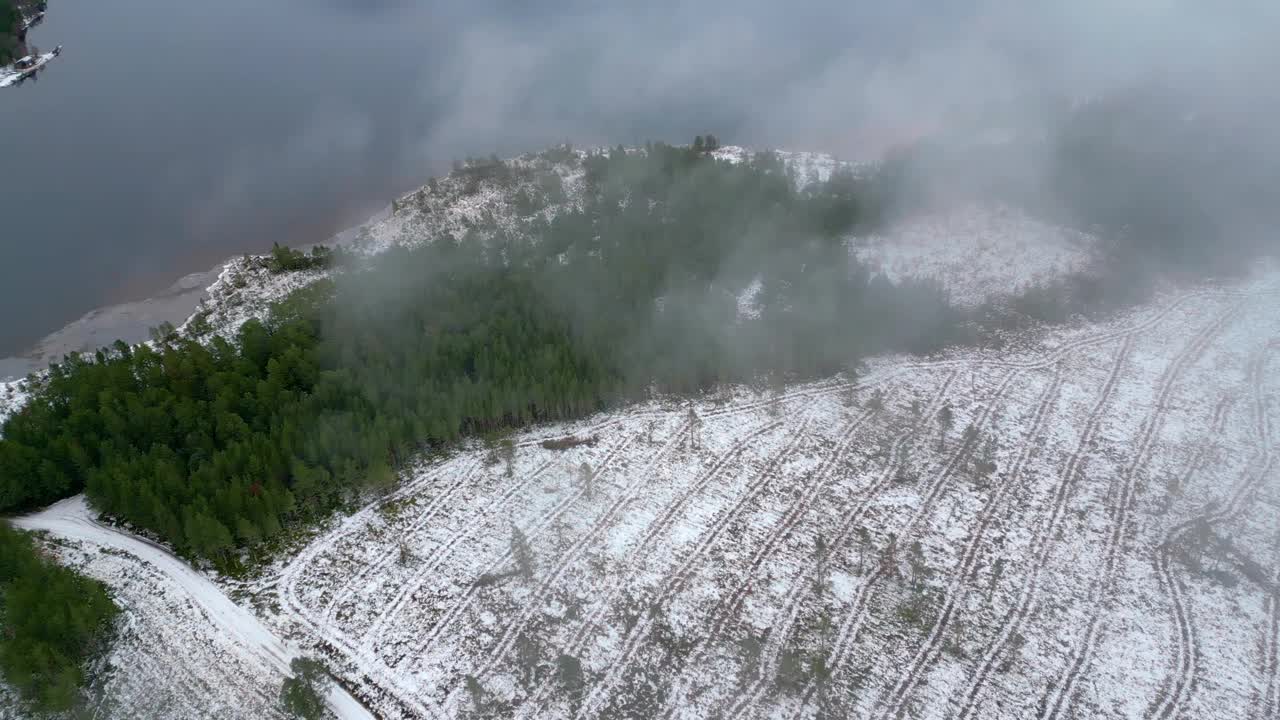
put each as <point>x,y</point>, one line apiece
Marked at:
<point>216,448</point>
<point>54,620</point>
<point>11,30</point>
<point>9,20</point>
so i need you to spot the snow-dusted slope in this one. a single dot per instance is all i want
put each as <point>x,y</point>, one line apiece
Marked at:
<point>809,167</point>
<point>714,557</point>
<point>13,396</point>
<point>978,252</point>
<point>187,650</point>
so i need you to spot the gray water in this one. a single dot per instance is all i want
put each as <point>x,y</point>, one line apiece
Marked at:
<point>170,136</point>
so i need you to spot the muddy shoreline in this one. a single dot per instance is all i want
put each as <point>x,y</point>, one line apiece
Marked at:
<point>132,321</point>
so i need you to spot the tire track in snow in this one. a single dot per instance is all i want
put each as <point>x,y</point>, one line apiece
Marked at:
<point>455,612</point>
<point>566,561</point>
<point>849,518</point>
<point>1177,688</point>
<point>659,525</point>
<point>580,639</point>
<point>428,514</point>
<point>958,588</point>
<point>358,520</point>
<point>852,622</point>
<point>372,671</point>
<point>593,622</point>
<point>1264,458</point>
<point>728,606</point>
<point>1043,541</point>
<point>1126,333</point>
<point>441,551</point>
<point>1060,693</point>
<point>634,489</point>
<point>673,583</point>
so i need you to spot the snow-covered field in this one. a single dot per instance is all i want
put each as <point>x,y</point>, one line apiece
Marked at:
<point>735,562</point>
<point>979,253</point>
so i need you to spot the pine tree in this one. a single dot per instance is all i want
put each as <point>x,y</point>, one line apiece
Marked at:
<point>864,542</point>
<point>477,693</point>
<point>522,553</point>
<point>695,429</point>
<point>997,571</point>
<point>946,418</point>
<point>302,694</point>
<point>919,568</point>
<point>889,560</point>
<point>507,449</point>
<point>571,678</point>
<point>876,403</point>
<point>820,553</point>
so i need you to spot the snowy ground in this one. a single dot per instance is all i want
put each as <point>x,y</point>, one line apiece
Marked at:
<point>688,581</point>
<point>10,75</point>
<point>809,167</point>
<point>13,395</point>
<point>979,253</point>
<point>185,649</point>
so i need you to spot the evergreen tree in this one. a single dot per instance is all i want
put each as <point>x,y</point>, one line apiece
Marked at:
<point>302,694</point>
<point>876,403</point>
<point>946,418</point>
<point>52,621</point>
<point>522,553</point>
<point>508,452</point>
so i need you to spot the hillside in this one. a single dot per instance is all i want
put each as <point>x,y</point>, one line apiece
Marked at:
<point>773,556</point>
<point>739,564</point>
<point>1004,526</point>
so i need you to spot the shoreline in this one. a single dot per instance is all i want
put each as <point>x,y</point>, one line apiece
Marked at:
<point>132,321</point>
